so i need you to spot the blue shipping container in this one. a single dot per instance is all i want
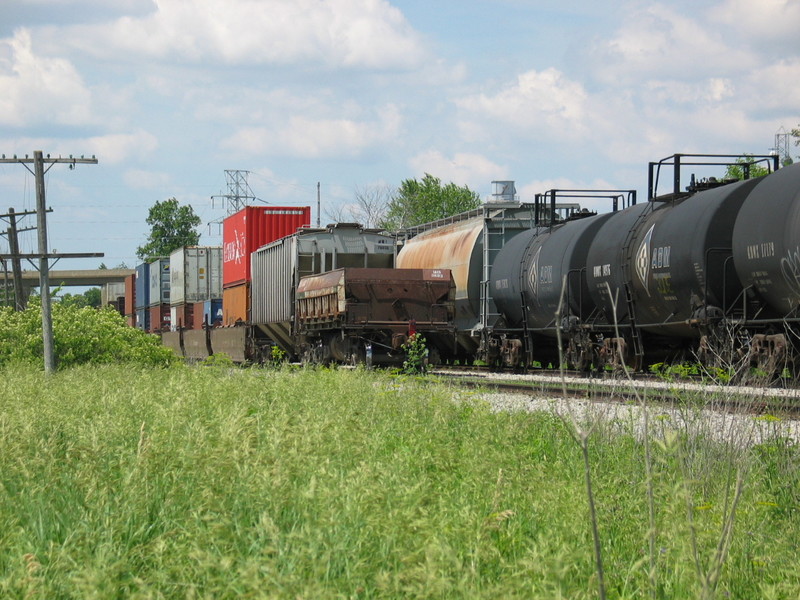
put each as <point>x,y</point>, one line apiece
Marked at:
<point>143,319</point>
<point>212,311</point>
<point>142,298</point>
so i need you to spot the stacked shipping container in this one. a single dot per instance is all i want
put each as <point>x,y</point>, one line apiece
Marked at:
<point>159,295</point>
<point>142,297</point>
<point>195,276</point>
<point>242,234</point>
<point>129,309</point>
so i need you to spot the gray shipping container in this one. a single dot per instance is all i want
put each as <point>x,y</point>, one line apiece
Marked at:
<point>278,267</point>
<point>159,282</point>
<point>111,292</point>
<point>195,274</point>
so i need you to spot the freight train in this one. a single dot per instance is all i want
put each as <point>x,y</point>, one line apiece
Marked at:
<point>318,295</point>
<point>708,272</point>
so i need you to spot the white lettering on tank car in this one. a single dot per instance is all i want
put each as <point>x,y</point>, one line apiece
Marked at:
<point>761,250</point>
<point>546,274</point>
<point>661,258</point>
<point>601,270</point>
<point>437,273</point>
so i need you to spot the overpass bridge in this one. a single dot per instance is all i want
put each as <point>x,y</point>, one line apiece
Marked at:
<point>65,278</point>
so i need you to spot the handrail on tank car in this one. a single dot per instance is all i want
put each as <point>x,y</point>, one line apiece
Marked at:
<point>676,161</point>
<point>625,197</point>
<point>709,251</point>
<point>579,272</point>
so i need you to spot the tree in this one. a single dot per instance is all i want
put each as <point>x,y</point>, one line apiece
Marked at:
<point>90,297</point>
<point>93,297</point>
<point>428,200</point>
<point>369,209</point>
<point>795,133</point>
<point>736,171</point>
<point>171,226</point>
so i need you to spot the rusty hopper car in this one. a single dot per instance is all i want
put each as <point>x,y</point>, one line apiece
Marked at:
<point>278,267</point>
<point>347,314</point>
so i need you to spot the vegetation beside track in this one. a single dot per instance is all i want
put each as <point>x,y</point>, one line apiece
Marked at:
<point>217,482</point>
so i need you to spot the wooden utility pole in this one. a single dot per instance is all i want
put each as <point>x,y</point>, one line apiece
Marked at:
<point>13,246</point>
<point>38,172</point>
<point>16,266</point>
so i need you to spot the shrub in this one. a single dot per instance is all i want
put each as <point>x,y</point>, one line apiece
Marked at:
<point>416,355</point>
<point>81,335</point>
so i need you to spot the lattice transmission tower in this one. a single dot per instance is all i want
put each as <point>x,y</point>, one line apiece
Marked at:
<point>782,145</point>
<point>239,193</point>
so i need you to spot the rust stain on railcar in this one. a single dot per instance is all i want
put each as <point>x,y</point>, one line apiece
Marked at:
<point>449,247</point>
<point>390,295</point>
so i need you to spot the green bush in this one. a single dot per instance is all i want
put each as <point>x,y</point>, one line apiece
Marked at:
<point>416,361</point>
<point>81,335</point>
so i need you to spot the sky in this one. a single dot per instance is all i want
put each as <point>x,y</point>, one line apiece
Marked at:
<point>361,94</point>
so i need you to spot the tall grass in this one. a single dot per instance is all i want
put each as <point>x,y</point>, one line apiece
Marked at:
<point>208,483</point>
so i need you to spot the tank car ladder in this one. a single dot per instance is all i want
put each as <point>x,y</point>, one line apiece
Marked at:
<point>636,338</point>
<point>493,241</point>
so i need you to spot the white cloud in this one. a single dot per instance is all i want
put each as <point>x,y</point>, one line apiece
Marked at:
<point>776,86</point>
<point>311,136</point>
<point>338,33</point>
<point>658,41</point>
<point>544,102</point>
<point>473,170</point>
<point>39,90</point>
<point>120,147</point>
<point>769,23</point>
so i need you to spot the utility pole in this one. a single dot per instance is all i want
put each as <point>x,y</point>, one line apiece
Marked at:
<point>13,245</point>
<point>16,267</point>
<point>38,172</point>
<point>318,205</point>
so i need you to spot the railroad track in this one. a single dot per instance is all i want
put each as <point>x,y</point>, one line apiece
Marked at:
<point>751,400</point>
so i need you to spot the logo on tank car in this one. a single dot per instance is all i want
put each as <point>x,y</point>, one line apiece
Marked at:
<point>642,261</point>
<point>648,259</point>
<point>533,275</point>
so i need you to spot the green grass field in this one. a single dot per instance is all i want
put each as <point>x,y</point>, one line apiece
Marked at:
<point>119,482</point>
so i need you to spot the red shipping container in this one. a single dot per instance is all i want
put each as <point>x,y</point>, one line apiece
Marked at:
<point>159,317</point>
<point>197,315</point>
<point>130,295</point>
<point>246,231</point>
